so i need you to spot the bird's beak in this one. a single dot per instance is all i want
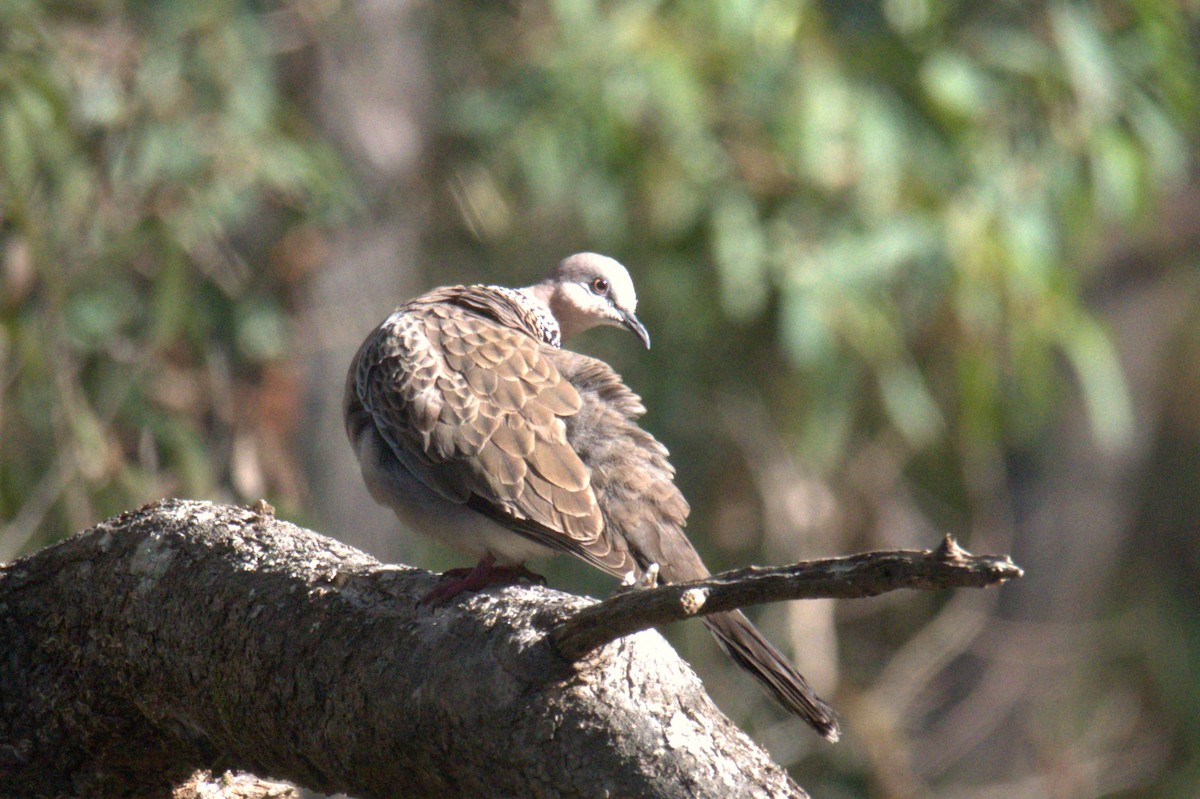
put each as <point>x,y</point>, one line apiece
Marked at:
<point>630,322</point>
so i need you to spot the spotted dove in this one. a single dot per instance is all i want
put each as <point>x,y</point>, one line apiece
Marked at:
<point>474,426</point>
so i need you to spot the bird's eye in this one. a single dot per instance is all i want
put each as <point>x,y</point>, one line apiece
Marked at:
<point>599,286</point>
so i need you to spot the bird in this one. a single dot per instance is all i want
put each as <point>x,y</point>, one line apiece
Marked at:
<point>476,428</point>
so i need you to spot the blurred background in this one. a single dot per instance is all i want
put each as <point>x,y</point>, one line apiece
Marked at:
<point>911,267</point>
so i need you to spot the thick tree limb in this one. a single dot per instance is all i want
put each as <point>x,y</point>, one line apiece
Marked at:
<point>869,574</point>
<point>186,635</point>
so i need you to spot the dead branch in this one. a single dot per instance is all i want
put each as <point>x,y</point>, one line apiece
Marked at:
<point>868,574</point>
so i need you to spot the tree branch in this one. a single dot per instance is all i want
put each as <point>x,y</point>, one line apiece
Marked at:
<point>186,636</point>
<point>869,574</point>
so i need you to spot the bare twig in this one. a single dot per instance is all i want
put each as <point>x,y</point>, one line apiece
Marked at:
<point>869,574</point>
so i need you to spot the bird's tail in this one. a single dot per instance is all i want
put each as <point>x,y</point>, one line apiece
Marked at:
<point>746,645</point>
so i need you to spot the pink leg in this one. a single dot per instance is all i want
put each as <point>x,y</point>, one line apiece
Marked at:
<point>482,575</point>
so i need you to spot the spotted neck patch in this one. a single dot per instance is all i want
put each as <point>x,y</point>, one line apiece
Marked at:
<point>536,313</point>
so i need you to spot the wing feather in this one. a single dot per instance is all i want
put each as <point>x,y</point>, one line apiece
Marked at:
<point>475,410</point>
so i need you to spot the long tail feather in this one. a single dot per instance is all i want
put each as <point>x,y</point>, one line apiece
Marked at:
<point>746,645</point>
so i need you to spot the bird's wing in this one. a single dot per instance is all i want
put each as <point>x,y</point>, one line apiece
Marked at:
<point>474,410</point>
<point>631,476</point>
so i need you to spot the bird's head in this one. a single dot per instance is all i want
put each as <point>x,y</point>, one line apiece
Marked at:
<point>587,290</point>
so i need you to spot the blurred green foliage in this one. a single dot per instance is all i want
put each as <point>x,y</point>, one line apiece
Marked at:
<point>136,142</point>
<point>910,192</point>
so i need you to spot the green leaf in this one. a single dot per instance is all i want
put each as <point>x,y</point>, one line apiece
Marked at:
<point>910,405</point>
<point>1102,382</point>
<point>739,249</point>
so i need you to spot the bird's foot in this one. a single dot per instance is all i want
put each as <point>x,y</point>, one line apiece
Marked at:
<point>482,575</point>
<point>632,581</point>
<point>649,578</point>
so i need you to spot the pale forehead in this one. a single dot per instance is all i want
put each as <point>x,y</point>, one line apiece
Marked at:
<point>587,265</point>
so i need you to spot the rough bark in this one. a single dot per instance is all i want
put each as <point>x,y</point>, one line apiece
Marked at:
<point>186,636</point>
<point>206,785</point>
